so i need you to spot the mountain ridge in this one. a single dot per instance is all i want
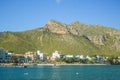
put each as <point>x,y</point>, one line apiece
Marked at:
<point>74,38</point>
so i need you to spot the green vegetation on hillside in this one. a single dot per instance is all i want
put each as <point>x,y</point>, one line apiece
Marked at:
<point>85,42</point>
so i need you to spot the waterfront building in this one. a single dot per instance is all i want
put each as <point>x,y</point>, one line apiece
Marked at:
<point>9,56</point>
<point>89,58</point>
<point>30,56</point>
<point>48,57</point>
<point>40,56</point>
<point>100,59</point>
<point>76,57</point>
<point>81,56</point>
<point>68,56</point>
<point>3,55</point>
<point>56,55</point>
<point>20,58</point>
<point>119,59</point>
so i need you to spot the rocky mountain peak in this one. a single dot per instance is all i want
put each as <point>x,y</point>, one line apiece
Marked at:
<point>61,28</point>
<point>55,23</point>
<point>56,27</point>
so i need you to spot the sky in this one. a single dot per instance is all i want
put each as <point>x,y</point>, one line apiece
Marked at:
<point>21,15</point>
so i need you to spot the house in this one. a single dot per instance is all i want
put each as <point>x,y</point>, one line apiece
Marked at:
<point>89,58</point>
<point>100,59</point>
<point>68,56</point>
<point>40,56</point>
<point>30,56</point>
<point>56,55</point>
<point>3,55</point>
<point>20,58</point>
<point>9,56</point>
<point>119,59</point>
<point>48,57</point>
<point>76,57</point>
<point>81,56</point>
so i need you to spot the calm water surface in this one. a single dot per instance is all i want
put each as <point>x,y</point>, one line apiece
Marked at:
<point>62,73</point>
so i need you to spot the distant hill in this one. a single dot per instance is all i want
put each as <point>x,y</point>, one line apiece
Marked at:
<point>74,38</point>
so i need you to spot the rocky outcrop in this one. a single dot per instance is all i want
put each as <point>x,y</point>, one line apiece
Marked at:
<point>97,34</point>
<point>116,41</point>
<point>56,27</point>
<point>98,39</point>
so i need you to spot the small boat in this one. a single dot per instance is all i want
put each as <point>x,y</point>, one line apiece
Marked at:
<point>25,66</point>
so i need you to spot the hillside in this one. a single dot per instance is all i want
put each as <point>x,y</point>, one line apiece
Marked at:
<point>74,38</point>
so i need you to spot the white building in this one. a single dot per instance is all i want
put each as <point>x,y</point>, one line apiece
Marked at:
<point>69,56</point>
<point>88,57</point>
<point>29,56</point>
<point>9,56</point>
<point>118,58</point>
<point>77,56</point>
<point>82,57</point>
<point>41,56</point>
<point>56,55</point>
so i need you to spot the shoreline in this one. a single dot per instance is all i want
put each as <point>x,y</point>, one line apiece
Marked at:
<point>67,64</point>
<point>77,64</point>
<point>28,65</point>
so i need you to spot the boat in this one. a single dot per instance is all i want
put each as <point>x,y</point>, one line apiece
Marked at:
<point>25,66</point>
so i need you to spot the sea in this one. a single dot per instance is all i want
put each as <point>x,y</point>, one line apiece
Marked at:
<point>76,72</point>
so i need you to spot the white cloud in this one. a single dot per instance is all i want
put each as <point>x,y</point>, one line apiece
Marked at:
<point>58,1</point>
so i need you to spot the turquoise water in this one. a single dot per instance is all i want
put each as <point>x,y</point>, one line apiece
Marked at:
<point>62,73</point>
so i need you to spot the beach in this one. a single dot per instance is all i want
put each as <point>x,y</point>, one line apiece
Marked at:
<point>27,64</point>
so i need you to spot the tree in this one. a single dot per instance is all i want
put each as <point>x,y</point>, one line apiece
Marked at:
<point>14,59</point>
<point>78,60</point>
<point>89,62</point>
<point>113,60</point>
<point>70,60</point>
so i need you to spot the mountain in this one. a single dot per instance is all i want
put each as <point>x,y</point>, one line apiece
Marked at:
<point>74,38</point>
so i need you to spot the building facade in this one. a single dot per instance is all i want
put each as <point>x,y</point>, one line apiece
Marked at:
<point>56,55</point>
